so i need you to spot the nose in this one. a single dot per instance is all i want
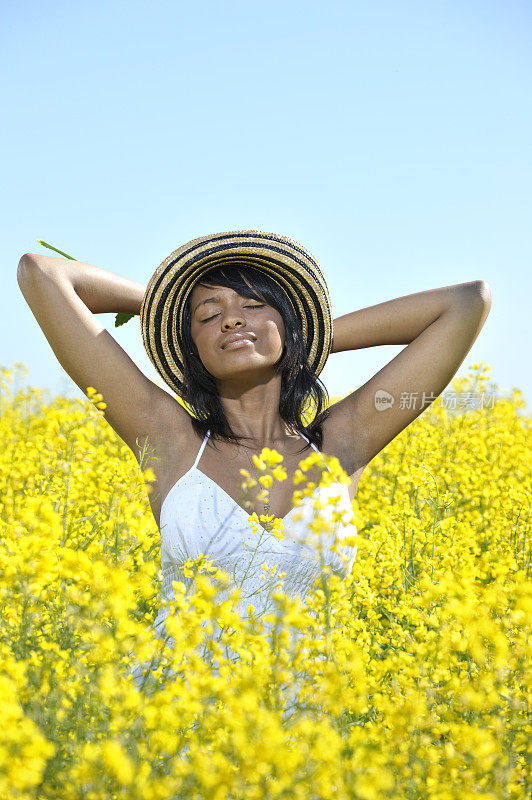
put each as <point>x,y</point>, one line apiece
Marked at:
<point>232,317</point>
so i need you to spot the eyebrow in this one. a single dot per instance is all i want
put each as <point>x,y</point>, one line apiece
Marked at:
<point>208,300</point>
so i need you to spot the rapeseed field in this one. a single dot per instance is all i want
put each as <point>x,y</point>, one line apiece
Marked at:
<point>413,673</point>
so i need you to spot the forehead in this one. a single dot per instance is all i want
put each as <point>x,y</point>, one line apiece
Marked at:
<point>201,292</point>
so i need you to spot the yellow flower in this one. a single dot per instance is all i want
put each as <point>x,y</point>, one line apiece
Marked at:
<point>248,482</point>
<point>116,758</point>
<point>279,474</point>
<point>299,477</point>
<point>427,625</point>
<point>310,461</point>
<point>270,457</point>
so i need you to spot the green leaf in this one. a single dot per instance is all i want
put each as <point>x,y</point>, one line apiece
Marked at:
<point>122,318</point>
<point>51,247</point>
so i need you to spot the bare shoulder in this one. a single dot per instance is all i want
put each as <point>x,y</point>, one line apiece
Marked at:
<point>169,430</point>
<point>339,440</point>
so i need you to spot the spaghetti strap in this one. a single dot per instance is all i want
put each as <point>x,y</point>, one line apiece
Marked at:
<point>316,449</point>
<point>202,448</point>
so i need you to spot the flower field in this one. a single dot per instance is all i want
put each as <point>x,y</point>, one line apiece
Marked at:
<point>413,673</point>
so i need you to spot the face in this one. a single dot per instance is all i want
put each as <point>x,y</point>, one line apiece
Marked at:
<point>218,313</point>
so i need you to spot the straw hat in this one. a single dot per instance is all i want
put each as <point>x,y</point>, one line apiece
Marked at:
<point>287,262</point>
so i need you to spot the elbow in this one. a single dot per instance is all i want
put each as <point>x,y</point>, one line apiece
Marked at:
<point>22,267</point>
<point>478,302</point>
<point>26,265</point>
<point>485,298</point>
<point>476,293</point>
<point>484,291</point>
<point>24,261</point>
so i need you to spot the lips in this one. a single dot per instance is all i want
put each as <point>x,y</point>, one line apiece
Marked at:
<point>236,337</point>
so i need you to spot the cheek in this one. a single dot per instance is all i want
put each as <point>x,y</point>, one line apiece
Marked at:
<point>281,332</point>
<point>199,334</point>
<point>199,341</point>
<point>274,332</point>
<point>276,324</point>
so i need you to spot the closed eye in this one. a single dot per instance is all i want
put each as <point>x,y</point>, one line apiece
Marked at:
<point>261,305</point>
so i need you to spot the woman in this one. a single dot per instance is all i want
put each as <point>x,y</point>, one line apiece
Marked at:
<point>239,325</point>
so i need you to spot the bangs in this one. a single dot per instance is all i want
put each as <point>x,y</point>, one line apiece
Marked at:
<point>245,281</point>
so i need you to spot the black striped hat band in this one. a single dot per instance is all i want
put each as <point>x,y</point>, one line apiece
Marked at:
<point>285,261</point>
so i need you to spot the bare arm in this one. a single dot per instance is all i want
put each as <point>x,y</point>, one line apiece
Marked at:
<point>102,291</point>
<point>439,327</point>
<point>64,295</point>
<point>398,321</point>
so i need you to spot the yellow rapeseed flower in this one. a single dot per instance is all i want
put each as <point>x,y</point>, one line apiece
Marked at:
<point>410,669</point>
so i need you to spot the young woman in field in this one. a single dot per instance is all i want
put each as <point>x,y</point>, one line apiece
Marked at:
<point>239,325</point>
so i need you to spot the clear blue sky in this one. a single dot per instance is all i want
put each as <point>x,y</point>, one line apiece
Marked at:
<point>392,139</point>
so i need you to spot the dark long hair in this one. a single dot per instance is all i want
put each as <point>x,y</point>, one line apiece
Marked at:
<point>300,387</point>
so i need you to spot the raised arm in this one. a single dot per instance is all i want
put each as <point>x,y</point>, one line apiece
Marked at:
<point>64,295</point>
<point>439,327</point>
